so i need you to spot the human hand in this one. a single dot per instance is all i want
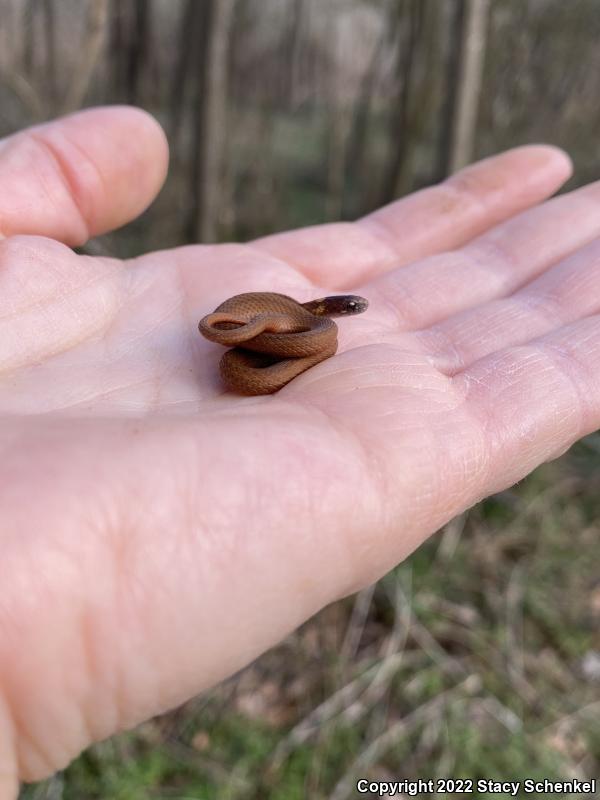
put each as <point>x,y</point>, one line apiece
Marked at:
<point>158,534</point>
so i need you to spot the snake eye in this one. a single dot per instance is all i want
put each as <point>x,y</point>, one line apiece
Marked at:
<point>355,305</point>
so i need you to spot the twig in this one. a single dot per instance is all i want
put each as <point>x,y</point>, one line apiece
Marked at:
<point>592,709</point>
<point>451,537</point>
<point>398,731</point>
<point>502,713</point>
<point>338,704</point>
<point>356,626</point>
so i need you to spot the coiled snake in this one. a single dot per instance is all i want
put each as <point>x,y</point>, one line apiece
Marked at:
<point>274,338</point>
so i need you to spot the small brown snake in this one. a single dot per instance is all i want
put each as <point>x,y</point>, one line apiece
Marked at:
<point>274,338</point>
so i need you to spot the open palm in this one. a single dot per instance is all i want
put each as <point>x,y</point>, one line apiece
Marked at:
<point>158,533</point>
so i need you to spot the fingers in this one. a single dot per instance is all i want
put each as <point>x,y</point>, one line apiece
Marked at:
<point>81,175</point>
<point>340,255</point>
<point>563,294</point>
<point>493,265</point>
<point>535,401</point>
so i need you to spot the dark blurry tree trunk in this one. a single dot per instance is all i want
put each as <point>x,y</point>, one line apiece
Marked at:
<point>338,124</point>
<point>191,46</point>
<point>29,9</point>
<point>90,50</point>
<point>427,101</point>
<point>18,64</point>
<point>357,146</point>
<point>132,48</point>
<point>50,55</point>
<point>39,53</point>
<point>116,46</point>
<point>470,73</point>
<point>420,69</point>
<point>210,125</point>
<point>452,22</point>
<point>139,48</point>
<point>413,12</point>
<point>293,53</point>
<point>9,39</point>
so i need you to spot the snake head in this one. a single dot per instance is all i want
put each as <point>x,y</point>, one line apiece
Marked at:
<point>353,304</point>
<point>339,305</point>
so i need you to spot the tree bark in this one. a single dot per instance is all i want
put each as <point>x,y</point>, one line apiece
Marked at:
<point>211,116</point>
<point>407,57</point>
<point>192,26</point>
<point>357,146</point>
<point>50,54</point>
<point>338,128</point>
<point>139,48</point>
<point>90,51</point>
<point>470,74</point>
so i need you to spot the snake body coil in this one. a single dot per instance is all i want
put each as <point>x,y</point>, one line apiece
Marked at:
<point>274,338</point>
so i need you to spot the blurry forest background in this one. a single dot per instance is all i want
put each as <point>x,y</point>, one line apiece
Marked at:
<point>479,656</point>
<point>282,113</point>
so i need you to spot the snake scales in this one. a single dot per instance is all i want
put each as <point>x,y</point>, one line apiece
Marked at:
<point>273,337</point>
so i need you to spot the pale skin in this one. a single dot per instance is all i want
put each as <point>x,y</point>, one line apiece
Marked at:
<point>158,534</point>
